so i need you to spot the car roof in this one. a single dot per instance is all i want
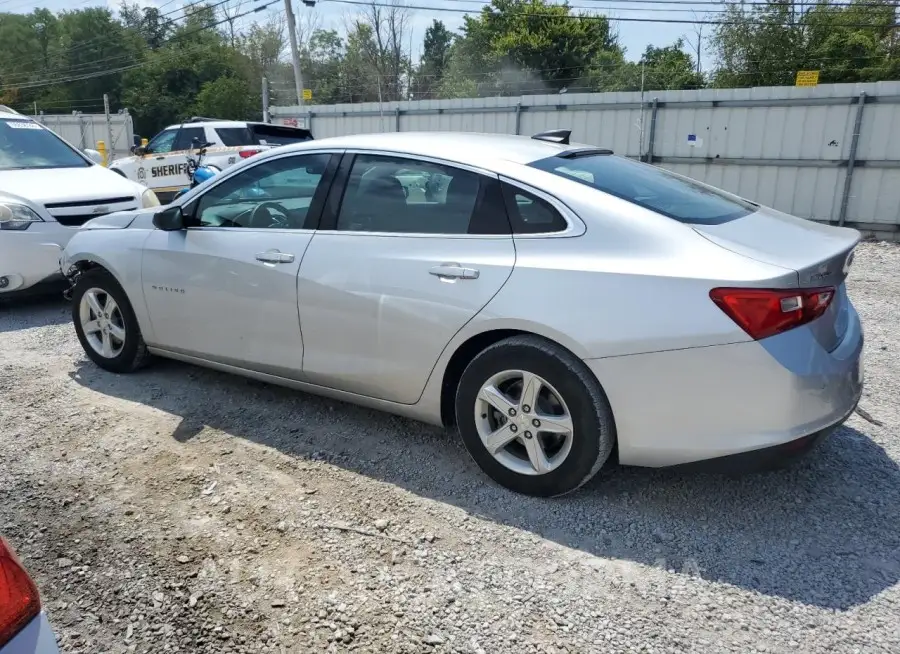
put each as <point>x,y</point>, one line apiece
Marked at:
<point>472,149</point>
<point>211,123</point>
<point>225,123</point>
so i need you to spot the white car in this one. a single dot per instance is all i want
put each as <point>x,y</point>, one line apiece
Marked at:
<point>48,188</point>
<point>24,628</point>
<point>162,164</point>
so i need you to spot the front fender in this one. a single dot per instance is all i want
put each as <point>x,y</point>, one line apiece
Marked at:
<point>119,251</point>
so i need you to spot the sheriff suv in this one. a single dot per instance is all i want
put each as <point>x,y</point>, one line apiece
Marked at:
<point>161,164</point>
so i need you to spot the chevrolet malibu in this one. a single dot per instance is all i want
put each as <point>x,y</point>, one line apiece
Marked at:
<point>558,304</point>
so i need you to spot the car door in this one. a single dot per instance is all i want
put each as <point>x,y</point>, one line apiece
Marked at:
<point>393,273</point>
<point>165,160</point>
<point>225,288</point>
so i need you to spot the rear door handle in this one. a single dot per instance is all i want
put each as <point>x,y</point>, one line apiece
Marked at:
<point>454,271</point>
<point>275,257</point>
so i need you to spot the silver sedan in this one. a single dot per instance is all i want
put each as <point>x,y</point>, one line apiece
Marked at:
<point>560,305</point>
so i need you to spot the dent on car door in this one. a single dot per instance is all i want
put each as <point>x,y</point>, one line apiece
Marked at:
<point>225,288</point>
<point>394,273</point>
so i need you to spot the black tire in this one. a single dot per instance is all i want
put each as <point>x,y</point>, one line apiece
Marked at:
<point>594,433</point>
<point>134,353</point>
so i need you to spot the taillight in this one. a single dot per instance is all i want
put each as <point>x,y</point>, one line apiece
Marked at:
<point>19,601</point>
<point>766,312</point>
<point>246,154</point>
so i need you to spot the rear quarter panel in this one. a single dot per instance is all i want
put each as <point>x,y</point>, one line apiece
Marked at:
<point>634,282</point>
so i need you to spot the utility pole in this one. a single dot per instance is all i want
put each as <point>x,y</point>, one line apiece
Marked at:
<point>109,131</point>
<point>641,138</point>
<point>295,52</point>
<point>265,99</point>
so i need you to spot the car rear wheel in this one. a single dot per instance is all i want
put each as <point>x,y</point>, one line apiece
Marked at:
<point>106,324</point>
<point>533,417</point>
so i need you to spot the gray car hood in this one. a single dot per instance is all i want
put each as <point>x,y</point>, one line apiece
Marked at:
<point>118,220</point>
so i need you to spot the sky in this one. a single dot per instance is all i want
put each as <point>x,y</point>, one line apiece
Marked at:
<point>634,36</point>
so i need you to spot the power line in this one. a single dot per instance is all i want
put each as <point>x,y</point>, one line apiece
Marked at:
<point>744,3</point>
<point>537,14</point>
<point>50,82</point>
<point>20,72</point>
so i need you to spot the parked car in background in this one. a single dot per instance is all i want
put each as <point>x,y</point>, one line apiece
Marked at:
<point>162,164</point>
<point>555,302</point>
<point>48,188</point>
<point>24,628</point>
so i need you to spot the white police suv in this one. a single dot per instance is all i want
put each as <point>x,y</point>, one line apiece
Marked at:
<point>161,164</point>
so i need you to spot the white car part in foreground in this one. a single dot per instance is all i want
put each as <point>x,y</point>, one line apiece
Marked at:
<point>24,628</point>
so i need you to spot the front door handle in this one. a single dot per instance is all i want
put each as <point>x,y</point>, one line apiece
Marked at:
<point>275,257</point>
<point>454,271</point>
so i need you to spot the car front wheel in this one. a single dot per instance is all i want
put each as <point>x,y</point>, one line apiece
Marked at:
<point>534,417</point>
<point>106,324</point>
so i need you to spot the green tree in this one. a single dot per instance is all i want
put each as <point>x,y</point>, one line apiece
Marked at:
<point>166,87</point>
<point>435,57</point>
<point>670,67</point>
<point>324,62</point>
<point>228,98</point>
<point>518,46</point>
<point>765,45</point>
<point>148,22</point>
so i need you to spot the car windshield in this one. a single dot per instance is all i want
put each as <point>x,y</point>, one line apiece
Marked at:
<point>25,145</point>
<point>650,187</point>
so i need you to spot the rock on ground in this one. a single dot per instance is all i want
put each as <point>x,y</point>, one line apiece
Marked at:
<point>182,510</point>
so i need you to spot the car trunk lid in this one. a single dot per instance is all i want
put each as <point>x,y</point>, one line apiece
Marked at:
<point>820,255</point>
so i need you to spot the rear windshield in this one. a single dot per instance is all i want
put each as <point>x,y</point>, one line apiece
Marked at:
<point>234,136</point>
<point>650,187</point>
<point>278,135</point>
<point>25,145</point>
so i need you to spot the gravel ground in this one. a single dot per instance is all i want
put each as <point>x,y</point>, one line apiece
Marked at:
<point>182,510</point>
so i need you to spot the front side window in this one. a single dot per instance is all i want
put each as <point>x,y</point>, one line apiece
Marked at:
<point>392,194</point>
<point>162,142</point>
<point>650,187</point>
<point>189,137</point>
<point>27,145</point>
<point>276,194</point>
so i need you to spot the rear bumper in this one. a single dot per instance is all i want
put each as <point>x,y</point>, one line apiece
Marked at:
<point>32,256</point>
<point>684,406</point>
<point>36,638</point>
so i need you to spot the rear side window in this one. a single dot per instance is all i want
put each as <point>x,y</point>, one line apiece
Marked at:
<point>530,214</point>
<point>650,187</point>
<point>408,196</point>
<point>234,136</point>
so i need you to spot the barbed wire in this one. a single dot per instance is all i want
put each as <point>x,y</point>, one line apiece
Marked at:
<point>539,87</point>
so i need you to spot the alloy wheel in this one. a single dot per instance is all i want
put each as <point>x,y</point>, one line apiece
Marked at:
<point>524,422</point>
<point>102,323</point>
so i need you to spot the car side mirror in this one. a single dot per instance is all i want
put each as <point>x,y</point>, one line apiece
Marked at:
<point>170,219</point>
<point>94,156</point>
<point>138,150</point>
